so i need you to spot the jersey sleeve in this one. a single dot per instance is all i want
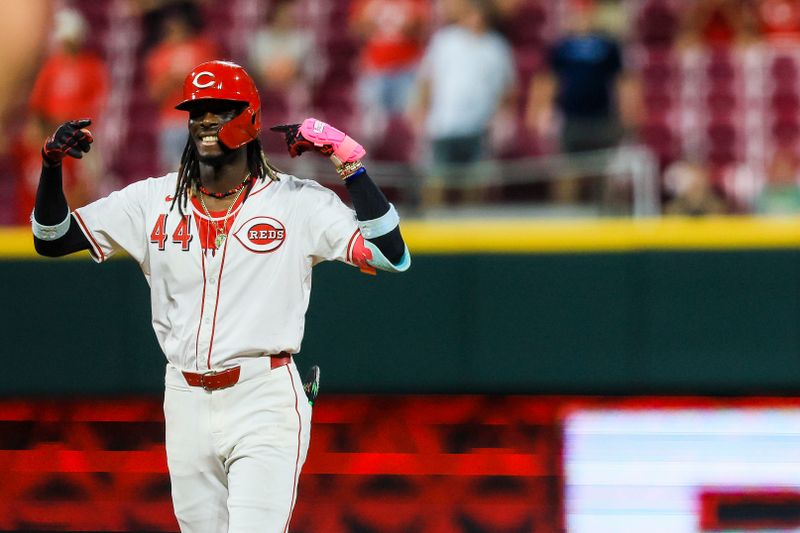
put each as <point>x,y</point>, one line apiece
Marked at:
<point>117,222</point>
<point>430,57</point>
<point>331,226</point>
<point>508,73</point>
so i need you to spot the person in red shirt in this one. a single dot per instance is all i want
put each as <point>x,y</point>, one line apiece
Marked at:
<point>72,82</point>
<point>780,19</point>
<point>180,48</point>
<point>393,34</point>
<point>719,23</point>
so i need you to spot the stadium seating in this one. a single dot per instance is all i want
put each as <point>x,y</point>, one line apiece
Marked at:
<point>729,106</point>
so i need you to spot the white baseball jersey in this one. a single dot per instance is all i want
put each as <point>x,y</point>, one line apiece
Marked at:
<point>213,308</point>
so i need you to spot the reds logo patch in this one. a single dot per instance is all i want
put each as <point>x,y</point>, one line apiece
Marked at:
<point>261,234</point>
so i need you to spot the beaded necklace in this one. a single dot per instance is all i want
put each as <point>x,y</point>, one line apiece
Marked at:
<point>220,195</point>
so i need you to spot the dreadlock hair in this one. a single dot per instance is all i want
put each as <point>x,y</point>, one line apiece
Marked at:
<point>189,171</point>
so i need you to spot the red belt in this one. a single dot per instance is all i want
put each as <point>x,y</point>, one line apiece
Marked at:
<point>220,379</point>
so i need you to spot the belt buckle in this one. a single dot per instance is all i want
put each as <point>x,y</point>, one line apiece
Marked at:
<point>203,379</point>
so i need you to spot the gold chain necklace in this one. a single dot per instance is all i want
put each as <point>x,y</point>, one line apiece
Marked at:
<point>222,234</point>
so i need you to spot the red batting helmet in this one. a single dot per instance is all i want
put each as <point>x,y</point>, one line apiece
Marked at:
<point>224,80</point>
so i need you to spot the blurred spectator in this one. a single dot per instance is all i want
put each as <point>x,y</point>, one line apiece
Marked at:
<point>72,83</point>
<point>466,75</point>
<point>280,50</point>
<point>613,17</point>
<point>718,23</point>
<point>26,25</point>
<point>586,93</point>
<point>781,193</point>
<point>692,191</point>
<point>507,8</point>
<point>780,19</point>
<point>280,59</point>
<point>393,34</point>
<point>181,47</point>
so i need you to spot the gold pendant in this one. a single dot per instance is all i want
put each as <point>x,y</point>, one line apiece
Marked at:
<point>220,240</point>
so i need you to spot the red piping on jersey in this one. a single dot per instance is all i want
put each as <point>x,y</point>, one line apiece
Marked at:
<point>216,304</point>
<point>202,308</point>
<point>348,253</point>
<point>88,233</point>
<point>297,457</point>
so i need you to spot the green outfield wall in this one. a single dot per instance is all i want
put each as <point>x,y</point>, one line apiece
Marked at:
<point>687,311</point>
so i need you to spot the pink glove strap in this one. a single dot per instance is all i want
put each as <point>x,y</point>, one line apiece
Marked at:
<point>345,148</point>
<point>349,150</point>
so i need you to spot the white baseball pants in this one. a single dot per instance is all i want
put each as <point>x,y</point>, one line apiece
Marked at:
<point>235,454</point>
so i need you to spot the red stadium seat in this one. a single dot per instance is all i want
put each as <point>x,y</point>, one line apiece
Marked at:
<point>785,103</point>
<point>658,136</point>
<point>721,102</point>
<point>524,28</point>
<point>784,68</point>
<point>657,24</point>
<point>786,131</point>
<point>720,67</point>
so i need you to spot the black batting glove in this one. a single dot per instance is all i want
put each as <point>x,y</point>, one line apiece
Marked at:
<point>311,384</point>
<point>297,144</point>
<point>70,139</point>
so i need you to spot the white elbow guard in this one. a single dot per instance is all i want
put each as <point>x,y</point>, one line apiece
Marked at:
<point>371,229</point>
<point>380,226</point>
<point>379,260</point>
<point>50,233</point>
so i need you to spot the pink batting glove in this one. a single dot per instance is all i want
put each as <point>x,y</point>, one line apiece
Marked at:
<point>321,134</point>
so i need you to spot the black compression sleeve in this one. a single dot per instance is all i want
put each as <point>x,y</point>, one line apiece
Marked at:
<point>370,203</point>
<point>392,245</point>
<point>51,204</point>
<point>368,200</point>
<point>51,208</point>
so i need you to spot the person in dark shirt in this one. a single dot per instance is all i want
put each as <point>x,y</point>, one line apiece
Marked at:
<point>586,91</point>
<point>586,67</point>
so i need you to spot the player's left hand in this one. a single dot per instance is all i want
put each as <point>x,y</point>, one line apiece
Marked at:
<point>315,135</point>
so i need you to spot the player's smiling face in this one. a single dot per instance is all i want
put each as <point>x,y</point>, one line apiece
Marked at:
<point>206,117</point>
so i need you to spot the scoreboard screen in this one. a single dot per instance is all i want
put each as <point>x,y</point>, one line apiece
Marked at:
<point>682,470</point>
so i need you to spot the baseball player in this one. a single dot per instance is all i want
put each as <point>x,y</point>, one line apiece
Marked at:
<point>227,245</point>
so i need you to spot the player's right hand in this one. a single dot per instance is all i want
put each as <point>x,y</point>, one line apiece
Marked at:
<point>70,139</point>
